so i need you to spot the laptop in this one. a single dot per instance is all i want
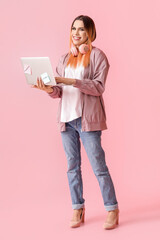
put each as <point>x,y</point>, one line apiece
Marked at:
<point>34,67</point>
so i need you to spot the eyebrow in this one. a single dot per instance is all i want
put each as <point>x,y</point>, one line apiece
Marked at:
<point>79,27</point>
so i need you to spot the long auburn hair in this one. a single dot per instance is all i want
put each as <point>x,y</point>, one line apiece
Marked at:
<point>89,26</point>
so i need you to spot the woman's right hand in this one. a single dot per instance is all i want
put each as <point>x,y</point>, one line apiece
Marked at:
<point>40,85</point>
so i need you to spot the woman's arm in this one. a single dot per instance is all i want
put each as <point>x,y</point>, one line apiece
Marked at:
<point>95,86</point>
<point>67,81</point>
<point>57,92</point>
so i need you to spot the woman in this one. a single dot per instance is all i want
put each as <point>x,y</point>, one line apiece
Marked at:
<point>82,74</point>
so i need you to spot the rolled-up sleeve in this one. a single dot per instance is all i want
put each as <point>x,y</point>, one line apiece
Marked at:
<point>95,86</point>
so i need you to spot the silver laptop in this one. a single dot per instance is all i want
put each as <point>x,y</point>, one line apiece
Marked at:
<point>34,67</point>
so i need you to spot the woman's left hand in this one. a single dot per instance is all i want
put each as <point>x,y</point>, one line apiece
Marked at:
<point>67,81</point>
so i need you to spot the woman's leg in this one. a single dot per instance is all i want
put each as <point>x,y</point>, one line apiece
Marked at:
<point>71,144</point>
<point>92,144</point>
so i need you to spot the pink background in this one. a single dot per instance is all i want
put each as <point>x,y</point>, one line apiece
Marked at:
<point>34,194</point>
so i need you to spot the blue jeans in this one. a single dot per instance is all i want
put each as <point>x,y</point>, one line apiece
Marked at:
<point>92,143</point>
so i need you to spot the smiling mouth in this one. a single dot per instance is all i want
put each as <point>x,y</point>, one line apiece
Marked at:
<point>76,38</point>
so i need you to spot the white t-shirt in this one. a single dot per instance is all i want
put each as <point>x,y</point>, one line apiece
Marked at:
<point>71,96</point>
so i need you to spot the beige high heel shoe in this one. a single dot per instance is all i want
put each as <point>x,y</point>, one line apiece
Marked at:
<point>74,223</point>
<point>112,219</point>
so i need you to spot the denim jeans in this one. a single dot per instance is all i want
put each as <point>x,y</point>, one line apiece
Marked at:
<point>92,143</point>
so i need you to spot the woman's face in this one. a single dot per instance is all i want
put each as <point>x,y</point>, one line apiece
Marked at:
<point>79,34</point>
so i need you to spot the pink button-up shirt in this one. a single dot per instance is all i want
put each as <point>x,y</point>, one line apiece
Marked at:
<point>91,86</point>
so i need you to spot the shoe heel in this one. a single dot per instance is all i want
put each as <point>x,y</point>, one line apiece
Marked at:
<point>83,217</point>
<point>117,221</point>
<point>117,218</point>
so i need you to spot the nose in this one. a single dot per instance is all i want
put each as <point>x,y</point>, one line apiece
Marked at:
<point>76,31</point>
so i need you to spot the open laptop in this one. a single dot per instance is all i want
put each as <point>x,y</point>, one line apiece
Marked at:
<point>34,67</point>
